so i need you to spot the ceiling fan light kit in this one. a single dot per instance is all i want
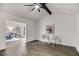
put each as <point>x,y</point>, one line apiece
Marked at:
<point>36,6</point>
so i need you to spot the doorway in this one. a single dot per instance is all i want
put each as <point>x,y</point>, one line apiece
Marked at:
<point>15,30</point>
<point>15,38</point>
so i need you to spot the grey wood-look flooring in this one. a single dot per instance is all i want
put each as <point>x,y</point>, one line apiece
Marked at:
<point>37,48</point>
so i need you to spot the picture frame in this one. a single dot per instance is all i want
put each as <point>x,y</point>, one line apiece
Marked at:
<point>50,29</point>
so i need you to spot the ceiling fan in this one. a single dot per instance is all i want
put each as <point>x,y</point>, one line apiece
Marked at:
<point>40,5</point>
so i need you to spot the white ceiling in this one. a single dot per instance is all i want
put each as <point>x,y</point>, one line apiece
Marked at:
<point>18,9</point>
<point>65,8</point>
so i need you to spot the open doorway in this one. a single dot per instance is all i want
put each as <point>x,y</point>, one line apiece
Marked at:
<point>15,31</point>
<point>15,38</point>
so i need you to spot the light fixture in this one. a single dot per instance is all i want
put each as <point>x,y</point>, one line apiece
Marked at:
<point>10,28</point>
<point>36,6</point>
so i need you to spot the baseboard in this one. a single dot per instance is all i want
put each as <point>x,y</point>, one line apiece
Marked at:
<point>77,49</point>
<point>2,51</point>
<point>56,43</point>
<point>31,41</point>
<point>3,48</point>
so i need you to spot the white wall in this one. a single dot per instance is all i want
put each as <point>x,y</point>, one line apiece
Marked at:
<point>2,33</point>
<point>76,41</point>
<point>65,27</point>
<point>31,26</point>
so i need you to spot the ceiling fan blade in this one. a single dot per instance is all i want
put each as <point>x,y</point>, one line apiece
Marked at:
<point>33,9</point>
<point>29,5</point>
<point>38,10</point>
<point>41,7</point>
<point>46,8</point>
<point>35,3</point>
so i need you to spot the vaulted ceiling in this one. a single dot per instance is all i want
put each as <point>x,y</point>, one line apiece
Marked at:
<point>18,9</point>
